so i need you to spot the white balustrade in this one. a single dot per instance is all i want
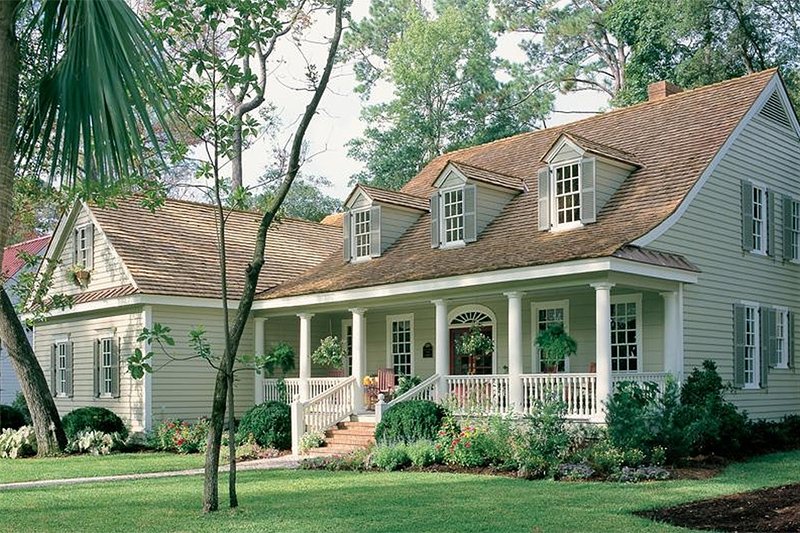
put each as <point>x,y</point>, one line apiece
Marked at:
<point>577,391</point>
<point>659,378</point>
<point>426,390</point>
<point>330,407</point>
<point>486,394</point>
<point>316,387</point>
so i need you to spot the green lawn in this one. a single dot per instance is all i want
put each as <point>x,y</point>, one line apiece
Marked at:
<point>289,501</point>
<point>12,470</point>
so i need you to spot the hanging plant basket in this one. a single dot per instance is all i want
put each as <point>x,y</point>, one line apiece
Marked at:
<point>330,353</point>
<point>555,345</point>
<point>79,275</point>
<point>474,345</point>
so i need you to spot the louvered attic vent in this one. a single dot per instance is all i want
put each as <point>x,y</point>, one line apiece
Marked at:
<point>775,112</point>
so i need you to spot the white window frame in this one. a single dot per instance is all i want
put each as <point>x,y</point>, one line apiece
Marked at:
<point>637,300</point>
<point>348,360</point>
<point>782,327</point>
<point>106,374</point>
<point>83,254</point>
<point>355,235</point>
<point>62,350</point>
<point>444,218</point>
<point>554,196</point>
<point>535,351</point>
<point>390,320</point>
<point>795,230</point>
<point>755,309</point>
<point>760,224</point>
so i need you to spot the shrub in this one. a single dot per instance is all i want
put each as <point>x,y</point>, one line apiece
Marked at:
<point>312,439</point>
<point>499,436</point>
<point>406,383</point>
<point>390,457</point>
<point>574,472</point>
<point>642,473</point>
<point>357,461</point>
<point>608,460</point>
<point>542,442</point>
<point>409,422</point>
<point>11,418</point>
<point>248,450</point>
<point>95,419</point>
<point>468,448</point>
<point>15,443</point>
<point>269,423</point>
<point>180,436</point>
<point>95,442</point>
<point>21,405</point>
<point>423,453</point>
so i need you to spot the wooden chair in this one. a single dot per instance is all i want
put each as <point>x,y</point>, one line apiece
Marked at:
<point>386,380</point>
<point>593,367</point>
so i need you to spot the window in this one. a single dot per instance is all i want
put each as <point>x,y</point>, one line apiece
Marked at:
<point>781,339</point>
<point>544,316</point>
<point>401,343</point>
<point>760,220</point>
<point>61,369</point>
<point>794,231</point>
<point>625,325</point>
<point>752,345</point>
<point>106,367</point>
<point>83,246</point>
<point>453,210</point>
<point>361,233</point>
<point>347,336</point>
<point>567,194</point>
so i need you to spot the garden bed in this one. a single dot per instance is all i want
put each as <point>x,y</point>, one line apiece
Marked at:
<point>772,509</point>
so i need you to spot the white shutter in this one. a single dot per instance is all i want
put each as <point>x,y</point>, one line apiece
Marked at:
<point>588,181</point>
<point>89,247</point>
<point>435,238</point>
<point>470,213</point>
<point>375,231</point>
<point>346,228</point>
<point>544,198</point>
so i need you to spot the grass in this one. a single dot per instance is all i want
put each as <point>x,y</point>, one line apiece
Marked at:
<point>12,470</point>
<point>303,501</point>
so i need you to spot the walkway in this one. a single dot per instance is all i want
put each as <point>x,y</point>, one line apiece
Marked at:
<point>273,463</point>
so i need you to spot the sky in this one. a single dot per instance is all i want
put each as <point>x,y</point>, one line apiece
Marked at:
<point>338,118</point>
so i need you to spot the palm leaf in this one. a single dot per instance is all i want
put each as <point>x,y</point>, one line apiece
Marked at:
<point>102,106</point>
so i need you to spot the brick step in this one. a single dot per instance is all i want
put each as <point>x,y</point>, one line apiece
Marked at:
<point>364,432</point>
<point>353,425</point>
<point>350,440</point>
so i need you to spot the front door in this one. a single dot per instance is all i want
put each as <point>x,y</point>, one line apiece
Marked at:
<point>459,365</point>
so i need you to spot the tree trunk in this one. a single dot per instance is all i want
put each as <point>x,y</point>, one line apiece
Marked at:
<point>214,443</point>
<point>50,437</point>
<point>9,102</point>
<point>236,154</point>
<point>233,499</point>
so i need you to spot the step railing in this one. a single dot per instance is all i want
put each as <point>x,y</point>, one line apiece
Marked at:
<point>427,390</point>
<point>323,411</point>
<point>316,386</point>
<point>577,391</point>
<point>484,394</point>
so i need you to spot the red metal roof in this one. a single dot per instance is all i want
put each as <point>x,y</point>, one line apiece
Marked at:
<point>12,263</point>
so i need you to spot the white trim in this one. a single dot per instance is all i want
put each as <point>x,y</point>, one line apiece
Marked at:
<point>389,354</point>
<point>559,145</point>
<point>764,244</point>
<point>355,258</point>
<point>554,225</point>
<point>670,221</point>
<point>443,242</point>
<point>636,299</point>
<point>535,308</point>
<point>446,172</point>
<point>782,314</point>
<point>757,355</point>
<point>147,388</point>
<point>348,323</point>
<point>461,309</point>
<point>110,245</point>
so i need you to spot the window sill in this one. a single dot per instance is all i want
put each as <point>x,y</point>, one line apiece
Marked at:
<point>61,396</point>
<point>454,244</point>
<point>750,386</point>
<point>361,259</point>
<point>758,253</point>
<point>566,227</point>
<point>782,366</point>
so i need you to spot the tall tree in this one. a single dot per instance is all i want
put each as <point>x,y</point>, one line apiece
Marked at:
<point>305,200</point>
<point>447,89</point>
<point>100,84</point>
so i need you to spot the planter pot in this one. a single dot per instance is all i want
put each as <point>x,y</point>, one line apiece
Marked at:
<point>82,277</point>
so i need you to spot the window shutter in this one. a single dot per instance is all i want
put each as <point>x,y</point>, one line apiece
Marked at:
<point>115,348</point>
<point>53,374</point>
<point>771,222</point>
<point>97,366</point>
<point>70,347</point>
<point>346,227</point>
<point>470,213</point>
<point>765,350</point>
<point>435,239</point>
<point>74,254</point>
<point>375,231</point>
<point>90,244</point>
<point>738,345</point>
<point>588,207</point>
<point>747,216</point>
<point>790,337</point>
<point>787,228</point>
<point>772,328</point>
<point>544,198</point>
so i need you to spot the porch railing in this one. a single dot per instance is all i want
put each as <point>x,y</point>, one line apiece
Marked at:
<point>316,386</point>
<point>427,390</point>
<point>577,391</point>
<point>659,378</point>
<point>485,394</point>
<point>323,411</point>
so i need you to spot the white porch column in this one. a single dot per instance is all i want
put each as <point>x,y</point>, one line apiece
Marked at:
<point>442,351</point>
<point>602,294</point>
<point>259,351</point>
<point>673,334</point>
<point>305,354</point>
<point>515,391</point>
<point>359,369</point>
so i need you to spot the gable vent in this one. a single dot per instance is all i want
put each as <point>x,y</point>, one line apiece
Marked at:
<point>775,112</point>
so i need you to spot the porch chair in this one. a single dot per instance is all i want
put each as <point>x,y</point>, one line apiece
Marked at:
<point>386,381</point>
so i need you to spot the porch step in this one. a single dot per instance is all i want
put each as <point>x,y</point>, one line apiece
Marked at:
<point>363,417</point>
<point>345,438</point>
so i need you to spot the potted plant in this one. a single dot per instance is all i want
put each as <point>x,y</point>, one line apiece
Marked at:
<point>79,275</point>
<point>555,346</point>
<point>474,345</point>
<point>330,353</point>
<point>280,357</point>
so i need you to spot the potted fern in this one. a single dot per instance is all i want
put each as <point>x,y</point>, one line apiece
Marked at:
<point>555,345</point>
<point>474,345</point>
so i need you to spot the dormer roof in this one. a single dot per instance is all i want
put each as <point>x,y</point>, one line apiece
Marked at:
<point>582,145</point>
<point>385,196</point>
<point>482,175</point>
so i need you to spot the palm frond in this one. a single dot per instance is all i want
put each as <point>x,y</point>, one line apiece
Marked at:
<point>103,103</point>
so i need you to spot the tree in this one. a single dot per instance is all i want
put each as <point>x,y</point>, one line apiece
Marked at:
<point>305,199</point>
<point>100,87</point>
<point>221,48</point>
<point>447,88</point>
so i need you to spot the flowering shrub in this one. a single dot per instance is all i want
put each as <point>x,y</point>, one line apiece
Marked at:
<point>247,450</point>
<point>15,443</point>
<point>574,472</point>
<point>423,453</point>
<point>312,439</point>
<point>390,457</point>
<point>643,473</point>
<point>181,436</point>
<point>95,442</point>
<point>467,448</point>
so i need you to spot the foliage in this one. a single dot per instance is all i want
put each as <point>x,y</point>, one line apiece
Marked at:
<point>574,472</point>
<point>390,456</point>
<point>249,449</point>
<point>21,405</point>
<point>765,436</point>
<point>608,460</point>
<point>410,421</point>
<point>280,357</point>
<point>642,473</point>
<point>355,461</point>
<point>180,436</point>
<point>94,442</point>
<point>468,448</point>
<point>16,443</point>
<point>305,199</point>
<point>331,352</point>
<point>542,442</point>
<point>93,418</point>
<point>423,453</point>
<point>406,383</point>
<point>11,417</point>
<point>311,439</point>
<point>269,423</point>
<point>474,343</point>
<point>555,344</point>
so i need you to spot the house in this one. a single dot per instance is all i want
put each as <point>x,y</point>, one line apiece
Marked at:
<point>659,235</point>
<point>14,266</point>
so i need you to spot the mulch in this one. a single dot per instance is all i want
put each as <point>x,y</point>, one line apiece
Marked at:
<point>773,509</point>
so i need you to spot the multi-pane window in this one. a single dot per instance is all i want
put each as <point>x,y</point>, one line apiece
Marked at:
<point>760,220</point>
<point>347,335</point>
<point>106,366</point>
<point>401,346</point>
<point>782,338</point>
<point>62,372</point>
<point>624,337</point>
<point>453,210</point>
<point>546,317</point>
<point>361,233</point>
<point>795,231</point>
<point>83,246</point>
<point>751,347</point>
<point>567,194</point>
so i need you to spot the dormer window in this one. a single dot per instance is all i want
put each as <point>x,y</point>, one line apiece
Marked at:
<point>361,234</point>
<point>567,189</point>
<point>453,216</point>
<point>83,246</point>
